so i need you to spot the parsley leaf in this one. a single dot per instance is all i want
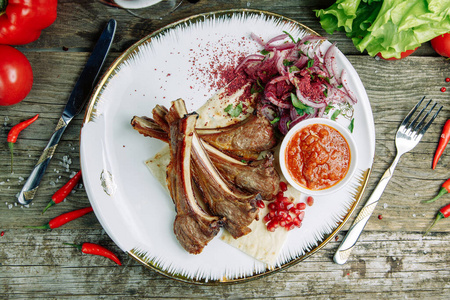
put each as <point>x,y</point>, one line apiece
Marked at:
<point>352,125</point>
<point>287,63</point>
<point>336,113</point>
<point>300,107</point>
<point>310,63</point>
<point>275,120</point>
<point>328,108</point>
<point>324,78</point>
<point>293,69</point>
<point>234,111</point>
<point>264,52</point>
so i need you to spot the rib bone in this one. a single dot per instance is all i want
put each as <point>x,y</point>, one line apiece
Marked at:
<point>193,227</point>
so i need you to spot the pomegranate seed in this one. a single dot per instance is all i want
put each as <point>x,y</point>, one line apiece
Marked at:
<point>289,206</point>
<point>283,186</point>
<point>282,223</point>
<point>288,218</point>
<point>447,79</point>
<point>280,195</point>
<point>260,204</point>
<point>272,206</point>
<point>281,206</point>
<point>310,201</point>
<point>296,222</point>
<point>267,218</point>
<point>272,214</point>
<point>270,228</point>
<point>301,205</point>
<point>282,213</point>
<point>380,217</point>
<point>443,89</point>
<point>301,215</point>
<point>296,211</point>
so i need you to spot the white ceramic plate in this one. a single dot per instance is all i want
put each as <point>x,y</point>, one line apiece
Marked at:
<point>175,62</point>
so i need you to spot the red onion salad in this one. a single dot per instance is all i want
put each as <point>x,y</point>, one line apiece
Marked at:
<point>296,79</point>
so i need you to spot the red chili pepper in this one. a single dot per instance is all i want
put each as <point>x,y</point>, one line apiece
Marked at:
<point>21,21</point>
<point>62,193</point>
<point>444,212</point>
<point>95,249</point>
<point>443,141</point>
<point>444,190</point>
<point>64,218</point>
<point>14,133</point>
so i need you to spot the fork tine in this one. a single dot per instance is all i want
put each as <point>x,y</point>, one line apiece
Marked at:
<point>425,128</point>
<point>406,120</point>
<point>417,127</point>
<point>411,125</point>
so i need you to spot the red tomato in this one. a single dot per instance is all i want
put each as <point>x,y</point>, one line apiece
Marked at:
<point>16,75</point>
<point>441,44</point>
<point>402,55</point>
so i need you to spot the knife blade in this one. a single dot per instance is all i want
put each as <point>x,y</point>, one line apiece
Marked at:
<point>77,100</point>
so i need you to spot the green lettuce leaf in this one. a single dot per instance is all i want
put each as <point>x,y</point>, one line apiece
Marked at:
<point>389,27</point>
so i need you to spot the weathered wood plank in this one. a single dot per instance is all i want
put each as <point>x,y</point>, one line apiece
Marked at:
<point>391,260</point>
<point>383,265</point>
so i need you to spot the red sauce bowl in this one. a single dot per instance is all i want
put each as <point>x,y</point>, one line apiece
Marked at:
<point>318,156</point>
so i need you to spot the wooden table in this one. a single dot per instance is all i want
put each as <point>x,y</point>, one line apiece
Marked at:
<point>391,260</point>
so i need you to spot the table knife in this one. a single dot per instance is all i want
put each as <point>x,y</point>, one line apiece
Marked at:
<point>74,106</point>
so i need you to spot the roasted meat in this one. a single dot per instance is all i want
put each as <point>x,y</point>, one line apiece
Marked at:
<point>193,227</point>
<point>236,207</point>
<point>148,127</point>
<point>255,177</point>
<point>258,176</point>
<point>245,140</point>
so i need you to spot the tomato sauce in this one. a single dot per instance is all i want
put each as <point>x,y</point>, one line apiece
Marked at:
<point>317,157</point>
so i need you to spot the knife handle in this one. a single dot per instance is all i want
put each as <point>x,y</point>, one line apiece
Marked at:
<point>30,187</point>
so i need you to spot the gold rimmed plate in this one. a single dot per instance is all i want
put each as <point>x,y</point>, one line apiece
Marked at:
<point>180,61</point>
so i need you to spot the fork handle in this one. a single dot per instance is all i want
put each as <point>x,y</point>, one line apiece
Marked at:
<point>343,252</point>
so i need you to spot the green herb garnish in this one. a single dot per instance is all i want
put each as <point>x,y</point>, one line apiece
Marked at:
<point>327,79</point>
<point>352,125</point>
<point>275,120</point>
<point>300,107</point>
<point>328,108</point>
<point>293,69</point>
<point>287,62</point>
<point>264,52</point>
<point>234,111</point>
<point>336,113</point>
<point>290,36</point>
<point>310,63</point>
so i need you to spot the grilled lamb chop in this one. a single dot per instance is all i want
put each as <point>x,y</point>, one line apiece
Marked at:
<point>245,140</point>
<point>193,227</point>
<point>258,176</point>
<point>148,127</point>
<point>237,208</point>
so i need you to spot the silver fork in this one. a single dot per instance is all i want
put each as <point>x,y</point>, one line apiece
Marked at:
<point>408,136</point>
